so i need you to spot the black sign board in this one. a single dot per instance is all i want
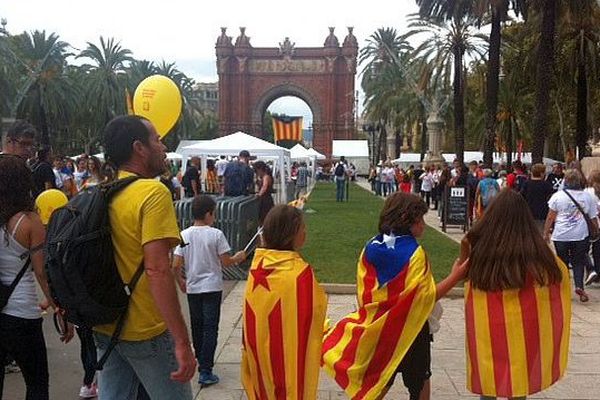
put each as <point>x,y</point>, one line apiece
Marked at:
<point>456,205</point>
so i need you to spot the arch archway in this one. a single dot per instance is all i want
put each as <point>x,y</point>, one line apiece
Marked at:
<point>251,78</point>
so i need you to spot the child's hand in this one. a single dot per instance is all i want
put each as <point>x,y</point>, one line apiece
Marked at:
<point>460,268</point>
<point>240,256</point>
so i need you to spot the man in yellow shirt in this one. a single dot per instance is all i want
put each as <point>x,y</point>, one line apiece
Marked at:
<point>154,347</point>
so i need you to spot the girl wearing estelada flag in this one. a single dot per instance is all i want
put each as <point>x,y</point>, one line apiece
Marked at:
<point>284,314</point>
<point>517,304</point>
<point>390,333</point>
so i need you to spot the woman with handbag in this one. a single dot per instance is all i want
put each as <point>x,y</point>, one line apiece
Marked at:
<point>21,263</point>
<point>570,223</point>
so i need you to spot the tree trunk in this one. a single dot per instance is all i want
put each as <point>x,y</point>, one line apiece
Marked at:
<point>509,142</point>
<point>581,124</point>
<point>459,106</point>
<point>545,65</point>
<point>493,83</point>
<point>561,124</point>
<point>45,136</point>
<point>423,135</point>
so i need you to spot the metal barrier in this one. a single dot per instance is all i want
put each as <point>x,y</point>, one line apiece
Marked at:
<point>237,217</point>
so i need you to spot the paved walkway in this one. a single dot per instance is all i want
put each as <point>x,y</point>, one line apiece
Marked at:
<point>448,381</point>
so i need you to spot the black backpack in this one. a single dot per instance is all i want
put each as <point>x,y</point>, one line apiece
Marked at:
<point>80,263</point>
<point>339,170</point>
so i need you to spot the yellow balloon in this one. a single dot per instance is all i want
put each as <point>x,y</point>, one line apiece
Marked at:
<point>158,98</point>
<point>48,201</point>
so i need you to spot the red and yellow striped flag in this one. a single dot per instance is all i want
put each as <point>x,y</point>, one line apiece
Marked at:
<point>396,294</point>
<point>517,340</point>
<point>284,313</point>
<point>287,128</point>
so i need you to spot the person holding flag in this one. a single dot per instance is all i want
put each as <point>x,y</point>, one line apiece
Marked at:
<point>389,333</point>
<point>283,315</point>
<point>517,304</point>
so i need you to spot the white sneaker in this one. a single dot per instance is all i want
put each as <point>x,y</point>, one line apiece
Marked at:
<point>88,392</point>
<point>592,277</point>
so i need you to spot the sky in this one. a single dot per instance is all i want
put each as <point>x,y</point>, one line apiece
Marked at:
<point>185,32</point>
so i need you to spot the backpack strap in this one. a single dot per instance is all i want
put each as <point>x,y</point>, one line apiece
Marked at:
<point>121,321</point>
<point>23,269</point>
<point>112,188</point>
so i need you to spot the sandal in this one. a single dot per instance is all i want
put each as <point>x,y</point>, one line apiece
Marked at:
<point>583,297</point>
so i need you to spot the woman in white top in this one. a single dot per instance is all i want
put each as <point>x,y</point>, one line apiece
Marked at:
<point>569,228</point>
<point>21,234</point>
<point>427,185</point>
<point>594,190</point>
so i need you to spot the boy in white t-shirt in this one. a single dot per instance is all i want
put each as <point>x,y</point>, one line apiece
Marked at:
<point>201,260</point>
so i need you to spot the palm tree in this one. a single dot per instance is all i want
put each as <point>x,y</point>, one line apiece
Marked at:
<point>43,95</point>
<point>582,34</point>
<point>497,11</point>
<point>544,67</point>
<point>105,86</point>
<point>444,49</point>
<point>383,79</point>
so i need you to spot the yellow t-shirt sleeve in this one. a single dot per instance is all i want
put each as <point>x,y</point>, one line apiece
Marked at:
<point>158,217</point>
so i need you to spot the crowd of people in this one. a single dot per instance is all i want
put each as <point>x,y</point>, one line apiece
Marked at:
<point>517,292</point>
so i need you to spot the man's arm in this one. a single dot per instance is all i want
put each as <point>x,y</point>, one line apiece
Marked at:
<point>162,287</point>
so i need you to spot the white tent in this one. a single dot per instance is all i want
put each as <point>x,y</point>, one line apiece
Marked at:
<point>350,148</point>
<point>299,152</point>
<point>316,154</point>
<point>231,145</point>
<point>174,156</point>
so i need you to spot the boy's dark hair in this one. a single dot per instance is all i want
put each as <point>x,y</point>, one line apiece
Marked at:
<point>19,129</point>
<point>201,205</point>
<point>400,212</point>
<point>120,134</point>
<point>280,227</point>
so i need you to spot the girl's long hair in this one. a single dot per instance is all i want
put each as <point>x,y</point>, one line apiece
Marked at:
<point>507,249</point>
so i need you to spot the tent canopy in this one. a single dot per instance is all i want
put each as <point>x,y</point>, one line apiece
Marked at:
<point>299,152</point>
<point>232,144</point>
<point>350,148</point>
<point>313,153</point>
<point>470,156</point>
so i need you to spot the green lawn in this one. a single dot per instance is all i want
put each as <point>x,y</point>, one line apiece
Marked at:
<point>337,233</point>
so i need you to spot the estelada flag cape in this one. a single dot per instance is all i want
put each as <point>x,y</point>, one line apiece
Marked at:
<point>396,294</point>
<point>517,340</point>
<point>284,314</point>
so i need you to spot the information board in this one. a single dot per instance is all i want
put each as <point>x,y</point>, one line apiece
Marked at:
<point>456,205</point>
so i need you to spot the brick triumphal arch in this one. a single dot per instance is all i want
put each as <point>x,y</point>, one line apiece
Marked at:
<point>251,78</point>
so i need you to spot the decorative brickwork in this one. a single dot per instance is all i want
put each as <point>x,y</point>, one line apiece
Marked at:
<point>250,79</point>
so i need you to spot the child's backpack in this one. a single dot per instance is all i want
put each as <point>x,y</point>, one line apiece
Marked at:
<point>339,170</point>
<point>80,263</point>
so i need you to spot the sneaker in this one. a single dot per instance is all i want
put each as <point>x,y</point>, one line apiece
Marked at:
<point>592,277</point>
<point>12,368</point>
<point>88,392</point>
<point>207,378</point>
<point>583,297</point>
